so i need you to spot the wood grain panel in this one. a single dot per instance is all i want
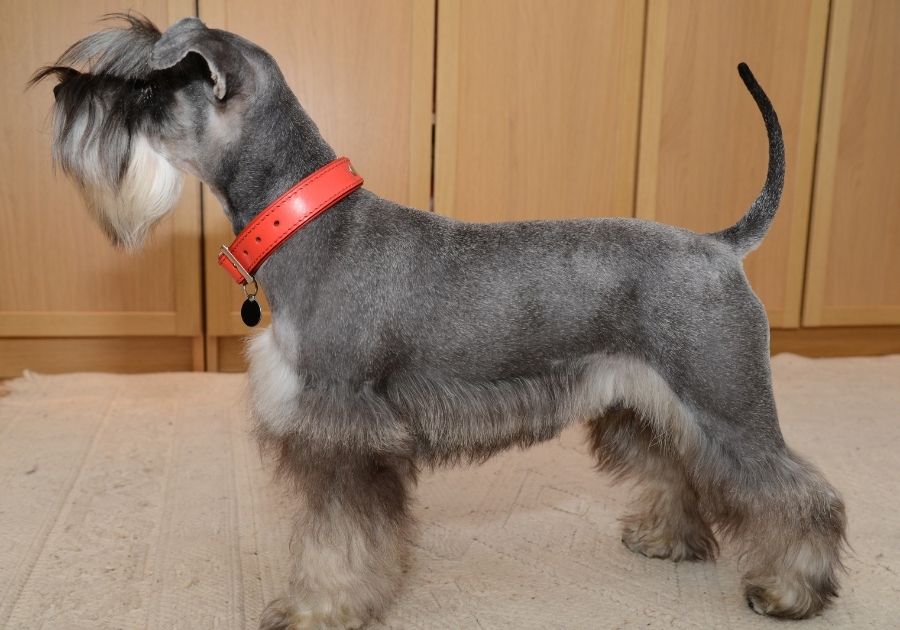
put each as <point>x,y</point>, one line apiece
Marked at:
<point>63,278</point>
<point>854,253</point>
<point>363,71</point>
<point>104,354</point>
<point>703,146</point>
<point>536,110</point>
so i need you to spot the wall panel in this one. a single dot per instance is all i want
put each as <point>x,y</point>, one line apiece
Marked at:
<point>703,149</point>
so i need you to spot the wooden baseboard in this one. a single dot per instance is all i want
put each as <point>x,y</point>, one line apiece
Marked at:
<point>837,342</point>
<point>99,354</point>
<point>230,354</point>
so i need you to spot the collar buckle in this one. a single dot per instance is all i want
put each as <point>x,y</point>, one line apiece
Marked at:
<point>248,279</point>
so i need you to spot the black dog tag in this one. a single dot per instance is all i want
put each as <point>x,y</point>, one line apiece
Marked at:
<point>250,311</point>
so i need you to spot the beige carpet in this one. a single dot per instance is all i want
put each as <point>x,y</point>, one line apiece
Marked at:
<point>138,502</point>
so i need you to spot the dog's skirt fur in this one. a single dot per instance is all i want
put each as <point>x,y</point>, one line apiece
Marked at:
<point>401,338</point>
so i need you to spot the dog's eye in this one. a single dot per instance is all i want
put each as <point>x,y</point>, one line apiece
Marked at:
<point>145,93</point>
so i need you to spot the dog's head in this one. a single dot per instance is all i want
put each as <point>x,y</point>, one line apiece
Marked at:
<point>135,107</point>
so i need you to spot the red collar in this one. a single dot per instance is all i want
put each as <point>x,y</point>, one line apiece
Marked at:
<point>291,211</point>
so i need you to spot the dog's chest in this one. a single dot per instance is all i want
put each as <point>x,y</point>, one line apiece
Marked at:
<point>274,380</point>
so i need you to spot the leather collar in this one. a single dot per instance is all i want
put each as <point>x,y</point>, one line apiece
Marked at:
<point>290,212</point>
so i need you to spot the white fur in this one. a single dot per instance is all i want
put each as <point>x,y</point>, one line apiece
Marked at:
<point>632,383</point>
<point>274,382</point>
<point>151,187</point>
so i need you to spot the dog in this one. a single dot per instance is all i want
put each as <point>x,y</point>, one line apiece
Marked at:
<point>402,339</point>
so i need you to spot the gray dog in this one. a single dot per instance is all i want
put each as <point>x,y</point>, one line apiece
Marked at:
<point>401,338</point>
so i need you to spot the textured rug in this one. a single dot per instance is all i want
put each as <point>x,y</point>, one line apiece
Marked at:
<point>139,502</point>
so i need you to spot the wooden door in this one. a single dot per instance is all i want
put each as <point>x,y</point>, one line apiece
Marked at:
<point>536,110</point>
<point>703,145</point>
<point>363,71</point>
<point>854,250</point>
<point>70,300</point>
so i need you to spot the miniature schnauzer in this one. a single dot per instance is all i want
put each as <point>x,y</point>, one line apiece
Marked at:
<point>402,338</point>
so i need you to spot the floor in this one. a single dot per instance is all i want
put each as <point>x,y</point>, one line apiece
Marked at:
<point>140,502</point>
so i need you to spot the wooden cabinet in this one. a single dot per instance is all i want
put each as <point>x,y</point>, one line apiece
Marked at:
<point>853,275</point>
<point>536,108</point>
<point>489,110</point>
<point>364,72</point>
<point>64,285</point>
<point>703,150</point>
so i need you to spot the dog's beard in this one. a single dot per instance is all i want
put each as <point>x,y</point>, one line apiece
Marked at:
<point>129,205</point>
<point>125,182</point>
<point>100,129</point>
<point>148,190</point>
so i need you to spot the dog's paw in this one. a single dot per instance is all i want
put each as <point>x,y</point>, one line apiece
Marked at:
<point>282,615</point>
<point>779,598</point>
<point>657,540</point>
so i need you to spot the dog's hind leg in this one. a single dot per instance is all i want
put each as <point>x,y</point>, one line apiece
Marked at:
<point>667,522</point>
<point>787,518</point>
<point>351,540</point>
<point>793,536</point>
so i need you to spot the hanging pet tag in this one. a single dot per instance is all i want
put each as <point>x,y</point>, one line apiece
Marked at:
<point>251,313</point>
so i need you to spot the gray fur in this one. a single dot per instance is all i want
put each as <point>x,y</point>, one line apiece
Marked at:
<point>747,233</point>
<point>190,35</point>
<point>403,338</point>
<point>105,100</point>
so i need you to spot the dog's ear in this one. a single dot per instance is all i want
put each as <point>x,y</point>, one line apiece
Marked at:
<point>190,35</point>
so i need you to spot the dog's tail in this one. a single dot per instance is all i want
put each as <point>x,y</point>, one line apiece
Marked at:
<point>746,235</point>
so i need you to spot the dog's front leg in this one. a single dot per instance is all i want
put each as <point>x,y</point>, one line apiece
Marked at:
<point>350,544</point>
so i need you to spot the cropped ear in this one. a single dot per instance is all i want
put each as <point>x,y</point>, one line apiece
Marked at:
<point>190,35</point>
